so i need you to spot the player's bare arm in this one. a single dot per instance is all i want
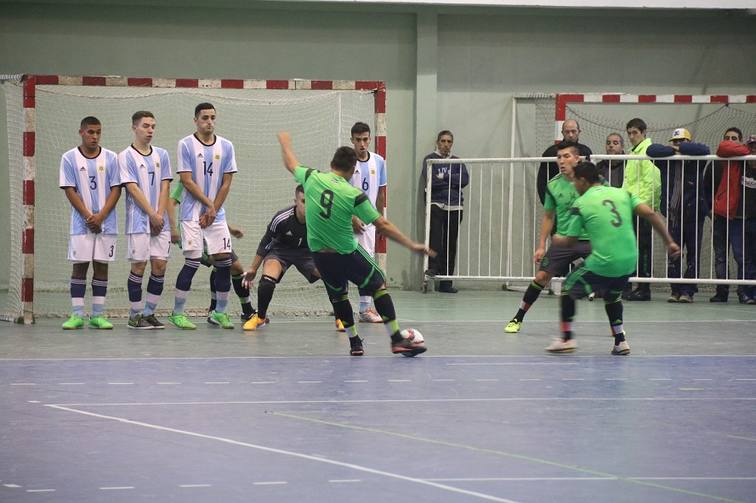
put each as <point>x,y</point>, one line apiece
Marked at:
<point>657,222</point>
<point>172,207</point>
<point>289,159</point>
<point>136,193</point>
<point>78,204</point>
<point>196,192</point>
<point>393,233</point>
<point>547,224</point>
<point>98,218</point>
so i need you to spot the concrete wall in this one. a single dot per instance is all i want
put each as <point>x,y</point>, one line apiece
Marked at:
<point>450,68</point>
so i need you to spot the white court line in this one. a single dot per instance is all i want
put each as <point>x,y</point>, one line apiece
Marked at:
<point>476,364</point>
<point>576,479</point>
<point>519,479</point>
<point>398,380</point>
<point>167,383</point>
<point>742,438</point>
<point>263,382</point>
<point>192,486</point>
<point>309,382</point>
<point>287,453</point>
<point>40,490</point>
<point>270,483</point>
<point>23,384</point>
<point>217,382</point>
<point>749,379</point>
<point>344,481</point>
<point>12,486</point>
<point>120,383</point>
<point>340,357</point>
<point>116,488</point>
<point>416,400</point>
<point>355,380</point>
<point>70,383</point>
<point>531,379</point>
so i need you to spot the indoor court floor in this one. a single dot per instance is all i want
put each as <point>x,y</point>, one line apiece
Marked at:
<point>284,415</point>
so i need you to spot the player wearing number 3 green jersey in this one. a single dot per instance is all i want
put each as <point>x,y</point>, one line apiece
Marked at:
<point>605,214</point>
<point>330,203</point>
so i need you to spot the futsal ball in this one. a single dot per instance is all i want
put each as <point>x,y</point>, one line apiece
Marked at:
<point>413,334</point>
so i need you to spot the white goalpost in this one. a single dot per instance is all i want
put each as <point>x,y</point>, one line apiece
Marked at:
<point>43,114</point>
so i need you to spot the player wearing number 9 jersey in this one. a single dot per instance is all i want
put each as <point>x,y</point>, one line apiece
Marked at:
<point>90,178</point>
<point>330,203</point>
<point>206,165</point>
<point>606,215</point>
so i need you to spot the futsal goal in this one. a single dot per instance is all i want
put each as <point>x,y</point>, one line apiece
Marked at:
<point>43,114</point>
<point>502,215</point>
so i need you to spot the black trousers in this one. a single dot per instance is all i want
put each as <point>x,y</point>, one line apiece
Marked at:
<point>444,230</point>
<point>644,232</point>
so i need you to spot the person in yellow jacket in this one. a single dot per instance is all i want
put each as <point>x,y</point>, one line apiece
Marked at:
<point>642,179</point>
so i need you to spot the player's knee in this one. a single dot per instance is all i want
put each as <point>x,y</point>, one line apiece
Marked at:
<point>268,280</point>
<point>380,293</point>
<point>80,270</point>
<point>612,297</point>
<point>542,277</point>
<point>158,267</point>
<point>236,268</point>
<point>221,257</point>
<point>139,267</point>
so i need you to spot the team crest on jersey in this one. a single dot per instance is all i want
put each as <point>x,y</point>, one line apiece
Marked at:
<point>217,156</point>
<point>142,166</point>
<point>157,164</point>
<point>83,168</point>
<point>372,171</point>
<point>100,168</point>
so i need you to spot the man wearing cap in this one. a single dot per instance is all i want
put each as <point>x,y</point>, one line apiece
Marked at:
<point>742,228</point>
<point>683,198</point>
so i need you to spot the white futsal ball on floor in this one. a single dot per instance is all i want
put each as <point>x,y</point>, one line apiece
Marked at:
<point>413,334</point>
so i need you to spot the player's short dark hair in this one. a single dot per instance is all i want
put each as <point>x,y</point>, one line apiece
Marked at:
<point>445,132</point>
<point>564,145</point>
<point>344,159</point>
<point>736,130</point>
<point>637,123</point>
<point>359,128</point>
<point>201,107</point>
<point>141,115</point>
<point>299,189</point>
<point>89,120</point>
<point>587,171</point>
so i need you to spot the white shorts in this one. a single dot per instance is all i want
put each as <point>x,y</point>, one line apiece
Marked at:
<point>144,246</point>
<point>366,239</point>
<point>90,246</point>
<point>216,237</point>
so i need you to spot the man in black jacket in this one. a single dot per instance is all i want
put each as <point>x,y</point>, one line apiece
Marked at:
<point>613,171</point>
<point>548,170</point>
<point>447,182</point>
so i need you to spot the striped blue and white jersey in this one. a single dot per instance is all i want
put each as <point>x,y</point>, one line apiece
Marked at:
<point>370,175</point>
<point>207,164</point>
<point>92,178</point>
<point>147,171</point>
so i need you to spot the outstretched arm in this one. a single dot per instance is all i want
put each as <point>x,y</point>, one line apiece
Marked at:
<point>289,159</point>
<point>389,230</point>
<point>656,221</point>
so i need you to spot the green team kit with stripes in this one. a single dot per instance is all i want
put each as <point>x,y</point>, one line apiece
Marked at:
<point>330,202</point>
<point>605,214</point>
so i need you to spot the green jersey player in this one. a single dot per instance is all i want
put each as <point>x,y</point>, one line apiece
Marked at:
<point>605,214</point>
<point>330,204</point>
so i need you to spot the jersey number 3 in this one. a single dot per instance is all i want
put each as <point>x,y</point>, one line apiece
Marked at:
<point>613,209</point>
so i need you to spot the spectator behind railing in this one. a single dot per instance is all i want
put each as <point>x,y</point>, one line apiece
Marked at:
<point>613,170</point>
<point>685,203</point>
<point>723,181</point>
<point>742,227</point>
<point>642,179</point>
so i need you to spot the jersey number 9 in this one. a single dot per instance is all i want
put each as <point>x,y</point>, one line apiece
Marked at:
<point>326,202</point>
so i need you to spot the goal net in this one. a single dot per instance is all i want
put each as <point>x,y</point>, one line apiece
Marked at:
<point>319,120</point>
